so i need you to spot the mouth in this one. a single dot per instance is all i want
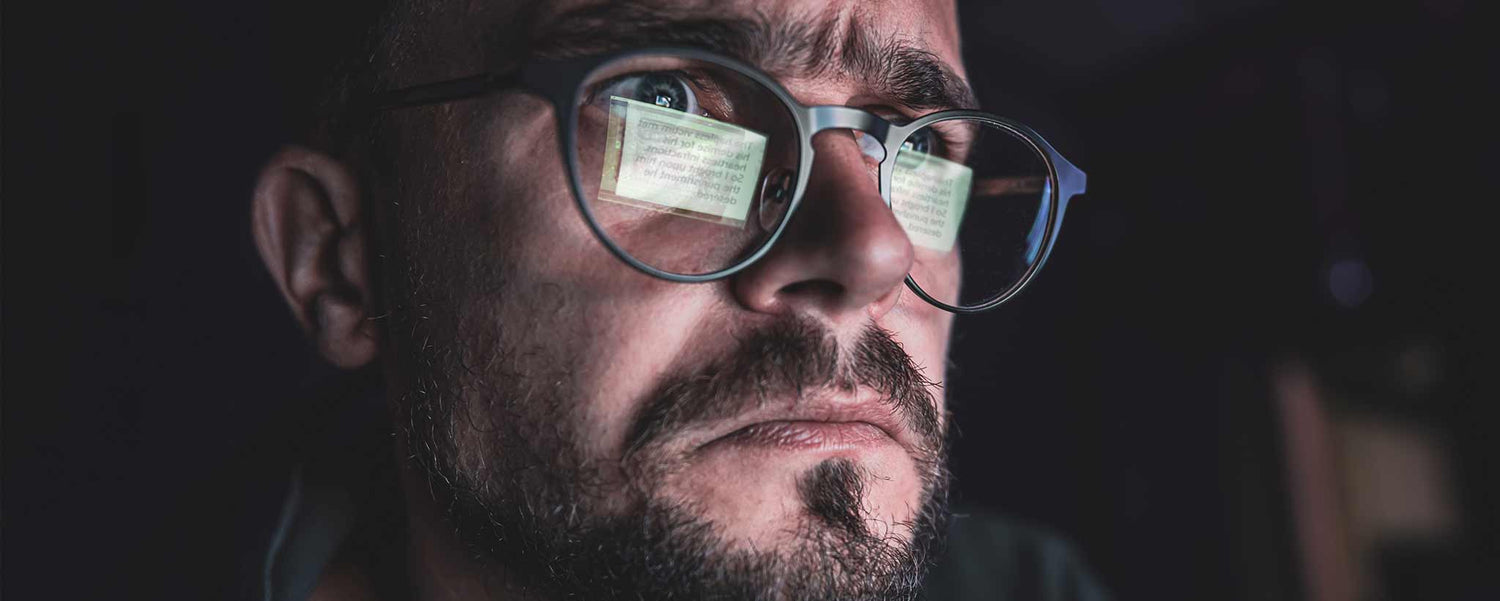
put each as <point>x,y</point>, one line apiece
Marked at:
<point>806,435</point>
<point>815,427</point>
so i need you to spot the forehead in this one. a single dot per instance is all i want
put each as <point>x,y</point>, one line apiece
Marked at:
<point>906,49</point>
<point>928,24</point>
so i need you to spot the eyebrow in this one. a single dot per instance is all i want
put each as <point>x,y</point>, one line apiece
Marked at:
<point>785,48</point>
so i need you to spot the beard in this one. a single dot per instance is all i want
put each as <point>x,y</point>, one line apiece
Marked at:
<point>499,438</point>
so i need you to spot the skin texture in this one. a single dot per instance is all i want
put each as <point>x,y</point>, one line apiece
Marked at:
<point>513,340</point>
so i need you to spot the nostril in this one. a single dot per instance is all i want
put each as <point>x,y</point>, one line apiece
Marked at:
<point>824,289</point>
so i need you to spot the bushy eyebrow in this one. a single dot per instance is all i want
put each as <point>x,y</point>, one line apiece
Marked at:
<point>785,48</point>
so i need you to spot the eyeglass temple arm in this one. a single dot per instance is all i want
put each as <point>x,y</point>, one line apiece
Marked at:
<point>443,91</point>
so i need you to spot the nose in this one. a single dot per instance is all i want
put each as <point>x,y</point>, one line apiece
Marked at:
<point>843,255</point>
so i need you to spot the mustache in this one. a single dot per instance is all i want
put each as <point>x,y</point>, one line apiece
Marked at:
<point>790,359</point>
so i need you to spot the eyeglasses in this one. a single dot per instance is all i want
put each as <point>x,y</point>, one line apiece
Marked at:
<point>689,165</point>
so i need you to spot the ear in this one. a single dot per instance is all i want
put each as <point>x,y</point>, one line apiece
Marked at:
<point>308,224</point>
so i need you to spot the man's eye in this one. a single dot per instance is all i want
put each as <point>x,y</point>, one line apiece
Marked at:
<point>663,89</point>
<point>923,140</point>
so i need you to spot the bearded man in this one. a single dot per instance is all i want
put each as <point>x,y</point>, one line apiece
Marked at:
<point>660,294</point>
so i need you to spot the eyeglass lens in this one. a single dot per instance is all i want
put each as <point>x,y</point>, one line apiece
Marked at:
<point>975,198</point>
<point>687,166</point>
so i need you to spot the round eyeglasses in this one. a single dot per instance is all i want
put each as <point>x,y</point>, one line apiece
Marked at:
<point>688,165</point>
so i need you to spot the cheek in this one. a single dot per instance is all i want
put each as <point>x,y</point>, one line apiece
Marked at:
<point>530,195</point>
<point>938,273</point>
<point>630,344</point>
<point>607,328</point>
<point>605,349</point>
<point>924,332</point>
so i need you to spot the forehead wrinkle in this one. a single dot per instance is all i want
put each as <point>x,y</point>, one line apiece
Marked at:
<point>783,47</point>
<point>903,70</point>
<point>597,28</point>
<point>838,42</point>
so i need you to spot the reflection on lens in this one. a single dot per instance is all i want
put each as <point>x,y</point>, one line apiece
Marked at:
<point>673,155</point>
<point>975,199</point>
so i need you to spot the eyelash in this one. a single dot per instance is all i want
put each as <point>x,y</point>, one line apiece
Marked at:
<point>703,89</point>
<point>710,95</point>
<point>944,141</point>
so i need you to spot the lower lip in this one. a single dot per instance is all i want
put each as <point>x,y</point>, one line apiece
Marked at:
<point>807,435</point>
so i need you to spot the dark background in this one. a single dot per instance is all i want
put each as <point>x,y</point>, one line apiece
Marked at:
<point>1269,182</point>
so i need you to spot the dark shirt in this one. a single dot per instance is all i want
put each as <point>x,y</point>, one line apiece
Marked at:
<point>993,557</point>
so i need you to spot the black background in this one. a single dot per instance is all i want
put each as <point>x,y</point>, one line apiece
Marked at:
<point>155,386</point>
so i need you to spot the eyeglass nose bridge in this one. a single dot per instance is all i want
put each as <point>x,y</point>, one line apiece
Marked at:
<point>820,118</point>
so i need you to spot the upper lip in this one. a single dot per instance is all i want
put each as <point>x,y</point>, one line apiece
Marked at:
<point>861,407</point>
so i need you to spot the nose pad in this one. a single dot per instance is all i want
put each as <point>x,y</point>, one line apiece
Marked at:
<point>776,197</point>
<point>870,146</point>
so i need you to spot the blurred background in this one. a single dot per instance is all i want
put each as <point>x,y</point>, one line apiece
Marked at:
<point>1259,365</point>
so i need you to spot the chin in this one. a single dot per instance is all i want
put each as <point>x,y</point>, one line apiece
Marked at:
<point>764,498</point>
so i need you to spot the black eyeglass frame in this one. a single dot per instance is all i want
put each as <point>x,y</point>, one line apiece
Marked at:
<point>560,82</point>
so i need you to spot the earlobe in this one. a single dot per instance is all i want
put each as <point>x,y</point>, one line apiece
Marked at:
<point>308,221</point>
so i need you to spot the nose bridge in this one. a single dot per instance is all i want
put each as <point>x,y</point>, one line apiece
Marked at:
<point>822,118</point>
<point>843,255</point>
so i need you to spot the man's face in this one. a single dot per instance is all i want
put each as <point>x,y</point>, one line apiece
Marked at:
<point>773,434</point>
